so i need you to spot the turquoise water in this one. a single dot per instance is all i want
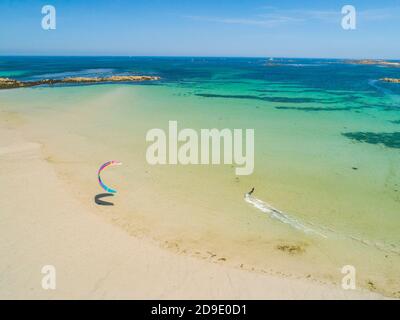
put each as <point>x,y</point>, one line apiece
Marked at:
<point>327,147</point>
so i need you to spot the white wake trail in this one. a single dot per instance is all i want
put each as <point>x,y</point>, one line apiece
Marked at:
<point>280,215</point>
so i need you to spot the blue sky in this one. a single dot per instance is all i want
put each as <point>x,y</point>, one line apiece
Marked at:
<point>283,28</point>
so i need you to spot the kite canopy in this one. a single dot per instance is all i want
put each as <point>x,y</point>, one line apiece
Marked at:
<point>105,165</point>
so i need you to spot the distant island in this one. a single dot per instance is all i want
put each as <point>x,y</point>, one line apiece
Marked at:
<point>6,83</point>
<point>391,80</point>
<point>375,62</point>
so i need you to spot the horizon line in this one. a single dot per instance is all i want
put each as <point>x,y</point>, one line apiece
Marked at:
<point>189,56</point>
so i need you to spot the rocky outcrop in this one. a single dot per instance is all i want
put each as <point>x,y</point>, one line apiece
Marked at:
<point>375,62</point>
<point>109,79</point>
<point>6,83</point>
<point>391,80</point>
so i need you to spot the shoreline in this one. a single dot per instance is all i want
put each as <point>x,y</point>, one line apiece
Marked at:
<point>96,259</point>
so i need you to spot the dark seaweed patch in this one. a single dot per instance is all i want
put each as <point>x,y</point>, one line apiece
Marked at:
<point>263,98</point>
<point>273,91</point>
<point>314,109</point>
<point>292,249</point>
<point>391,140</point>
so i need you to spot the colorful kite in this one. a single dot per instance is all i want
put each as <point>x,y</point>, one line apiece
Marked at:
<point>107,164</point>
